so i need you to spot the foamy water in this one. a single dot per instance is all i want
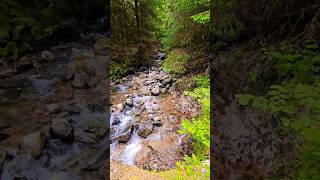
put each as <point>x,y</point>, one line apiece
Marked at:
<point>131,149</point>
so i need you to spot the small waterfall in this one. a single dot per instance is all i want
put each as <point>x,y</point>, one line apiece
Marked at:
<point>131,150</point>
<point>127,119</point>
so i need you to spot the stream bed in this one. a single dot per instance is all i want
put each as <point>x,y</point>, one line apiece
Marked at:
<point>145,118</point>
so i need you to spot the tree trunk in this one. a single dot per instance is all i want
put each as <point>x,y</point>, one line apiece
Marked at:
<point>126,22</point>
<point>137,18</point>
<point>139,55</point>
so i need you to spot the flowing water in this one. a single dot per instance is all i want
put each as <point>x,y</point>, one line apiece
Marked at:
<point>148,97</point>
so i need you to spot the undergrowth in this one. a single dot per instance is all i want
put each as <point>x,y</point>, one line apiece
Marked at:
<point>195,167</point>
<point>296,100</point>
<point>175,62</point>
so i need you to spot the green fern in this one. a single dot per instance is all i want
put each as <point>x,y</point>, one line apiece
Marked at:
<point>201,18</point>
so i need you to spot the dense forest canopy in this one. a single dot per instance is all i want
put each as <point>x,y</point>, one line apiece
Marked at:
<point>25,24</point>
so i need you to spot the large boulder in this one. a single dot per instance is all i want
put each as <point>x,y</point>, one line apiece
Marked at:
<point>89,71</point>
<point>33,143</point>
<point>91,131</point>
<point>129,101</point>
<point>156,121</point>
<point>145,90</point>
<point>155,90</point>
<point>120,107</point>
<point>47,55</point>
<point>125,137</point>
<point>145,129</point>
<point>116,120</point>
<point>61,127</point>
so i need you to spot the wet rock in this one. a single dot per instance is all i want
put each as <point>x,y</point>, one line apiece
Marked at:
<point>164,90</point>
<point>135,87</point>
<point>91,131</point>
<point>156,121</point>
<point>125,137</point>
<point>148,82</point>
<point>120,107</point>
<point>90,71</point>
<point>61,127</point>
<point>129,102</point>
<point>145,129</point>
<point>52,108</point>
<point>142,75</point>
<point>116,121</point>
<point>145,91</point>
<point>47,55</point>
<point>33,143</point>
<point>169,80</point>
<point>155,90</point>
<point>161,55</point>
<point>138,103</point>
<point>113,130</point>
<point>88,160</point>
<point>86,138</point>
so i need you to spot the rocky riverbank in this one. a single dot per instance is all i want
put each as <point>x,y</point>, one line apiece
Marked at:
<point>145,118</point>
<point>53,113</point>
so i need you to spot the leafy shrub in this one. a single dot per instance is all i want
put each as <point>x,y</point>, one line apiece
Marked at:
<point>201,18</point>
<point>117,71</point>
<point>192,168</point>
<point>296,100</point>
<point>199,128</point>
<point>175,62</point>
<point>10,50</point>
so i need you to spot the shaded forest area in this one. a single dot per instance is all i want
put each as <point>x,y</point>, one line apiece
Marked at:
<point>54,89</point>
<point>265,71</point>
<point>262,58</point>
<point>26,25</point>
<point>265,74</point>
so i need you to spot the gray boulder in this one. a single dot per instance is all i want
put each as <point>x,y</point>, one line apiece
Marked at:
<point>61,127</point>
<point>145,129</point>
<point>155,90</point>
<point>47,55</point>
<point>33,143</point>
